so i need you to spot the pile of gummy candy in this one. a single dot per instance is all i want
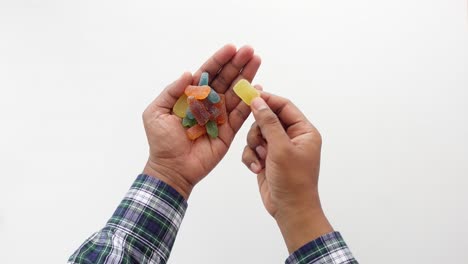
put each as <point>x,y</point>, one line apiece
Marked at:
<point>202,109</point>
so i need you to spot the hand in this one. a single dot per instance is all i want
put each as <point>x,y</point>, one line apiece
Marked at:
<point>174,158</point>
<point>283,149</point>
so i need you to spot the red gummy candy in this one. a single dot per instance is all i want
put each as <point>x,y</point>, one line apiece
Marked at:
<point>221,107</point>
<point>214,112</point>
<point>198,110</point>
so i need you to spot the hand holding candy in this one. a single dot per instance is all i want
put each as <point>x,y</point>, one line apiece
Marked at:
<point>283,149</point>
<point>174,158</point>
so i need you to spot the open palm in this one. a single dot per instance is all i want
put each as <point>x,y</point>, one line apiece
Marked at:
<point>173,157</point>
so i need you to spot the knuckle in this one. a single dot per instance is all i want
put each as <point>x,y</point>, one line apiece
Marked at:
<point>252,139</point>
<point>246,155</point>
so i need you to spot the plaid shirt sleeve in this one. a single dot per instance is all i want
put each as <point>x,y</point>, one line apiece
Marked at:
<point>327,249</point>
<point>142,229</point>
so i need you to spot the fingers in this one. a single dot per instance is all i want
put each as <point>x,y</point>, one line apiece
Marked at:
<point>254,137</point>
<point>255,152</point>
<point>250,159</point>
<point>295,122</point>
<point>261,152</point>
<point>248,73</point>
<point>222,81</point>
<point>238,116</point>
<point>240,113</point>
<point>167,98</point>
<point>268,122</point>
<point>285,109</point>
<point>216,62</point>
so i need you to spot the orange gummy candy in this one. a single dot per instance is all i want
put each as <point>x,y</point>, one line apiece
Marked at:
<point>221,106</point>
<point>199,92</point>
<point>195,132</point>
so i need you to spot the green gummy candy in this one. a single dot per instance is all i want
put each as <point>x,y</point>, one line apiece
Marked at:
<point>187,122</point>
<point>203,79</point>
<point>212,129</point>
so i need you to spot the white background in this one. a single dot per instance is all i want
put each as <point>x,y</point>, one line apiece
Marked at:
<point>384,81</point>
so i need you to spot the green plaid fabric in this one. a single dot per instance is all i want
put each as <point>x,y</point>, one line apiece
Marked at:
<point>142,230</point>
<point>144,226</point>
<point>327,249</point>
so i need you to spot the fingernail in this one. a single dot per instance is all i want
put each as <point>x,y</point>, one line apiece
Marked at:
<point>261,151</point>
<point>254,167</point>
<point>259,104</point>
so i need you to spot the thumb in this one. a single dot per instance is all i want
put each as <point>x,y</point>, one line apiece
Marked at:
<point>268,121</point>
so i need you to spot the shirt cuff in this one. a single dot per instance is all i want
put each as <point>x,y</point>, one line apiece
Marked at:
<point>151,213</point>
<point>329,248</point>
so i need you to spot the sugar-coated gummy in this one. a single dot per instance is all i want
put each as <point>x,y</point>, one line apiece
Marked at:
<point>180,106</point>
<point>213,96</point>
<point>214,112</point>
<point>198,110</point>
<point>195,132</point>
<point>246,91</point>
<point>203,79</point>
<point>212,129</point>
<point>188,113</point>
<point>221,106</point>
<point>204,109</point>
<point>187,122</point>
<point>199,92</point>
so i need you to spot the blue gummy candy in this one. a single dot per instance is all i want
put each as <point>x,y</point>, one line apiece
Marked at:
<point>213,97</point>
<point>203,79</point>
<point>189,114</point>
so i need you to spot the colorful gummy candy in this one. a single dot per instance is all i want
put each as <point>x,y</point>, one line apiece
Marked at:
<point>221,106</point>
<point>196,131</point>
<point>180,106</point>
<point>202,109</point>
<point>212,128</point>
<point>246,91</point>
<point>199,92</point>
<point>203,79</point>
<point>198,110</point>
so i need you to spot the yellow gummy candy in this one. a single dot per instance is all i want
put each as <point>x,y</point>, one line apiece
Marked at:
<point>181,106</point>
<point>246,91</point>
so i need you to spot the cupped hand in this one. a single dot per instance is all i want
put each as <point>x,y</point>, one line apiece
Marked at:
<point>174,158</point>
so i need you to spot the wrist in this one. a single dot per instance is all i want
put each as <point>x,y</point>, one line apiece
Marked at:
<point>169,176</point>
<point>300,226</point>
